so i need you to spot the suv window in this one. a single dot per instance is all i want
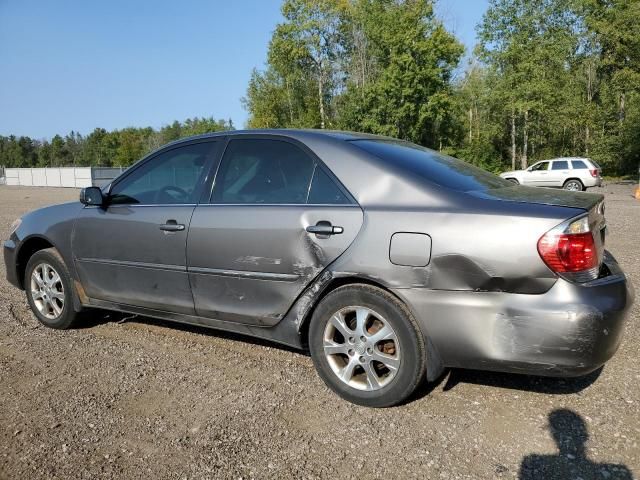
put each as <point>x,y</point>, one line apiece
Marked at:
<point>560,165</point>
<point>168,178</point>
<point>324,190</point>
<point>263,171</point>
<point>579,165</point>
<point>540,166</point>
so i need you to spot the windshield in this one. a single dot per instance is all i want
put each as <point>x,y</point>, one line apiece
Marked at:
<point>433,166</point>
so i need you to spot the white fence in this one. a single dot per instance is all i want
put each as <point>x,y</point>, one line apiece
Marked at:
<point>76,177</point>
<point>49,177</point>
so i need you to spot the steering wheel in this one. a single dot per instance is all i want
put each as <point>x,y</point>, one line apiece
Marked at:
<point>164,191</point>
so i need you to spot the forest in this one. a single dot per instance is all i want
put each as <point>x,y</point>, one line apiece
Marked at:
<point>547,78</point>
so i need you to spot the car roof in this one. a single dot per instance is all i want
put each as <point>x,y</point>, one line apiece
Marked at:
<point>298,133</point>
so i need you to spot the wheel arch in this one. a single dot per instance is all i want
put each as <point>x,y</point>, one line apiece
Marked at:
<point>28,247</point>
<point>435,366</point>
<point>577,179</point>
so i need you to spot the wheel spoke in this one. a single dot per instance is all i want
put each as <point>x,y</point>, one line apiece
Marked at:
<point>361,320</point>
<point>58,295</point>
<point>372,377</point>
<point>37,276</point>
<point>57,310</point>
<point>392,363</point>
<point>37,294</point>
<point>55,278</point>
<point>346,373</point>
<point>385,333</point>
<point>338,322</point>
<point>333,348</point>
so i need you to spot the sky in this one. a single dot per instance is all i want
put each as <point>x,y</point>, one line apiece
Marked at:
<point>78,64</point>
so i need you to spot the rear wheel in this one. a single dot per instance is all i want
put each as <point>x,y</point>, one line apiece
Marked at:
<point>573,185</point>
<point>366,346</point>
<point>48,288</point>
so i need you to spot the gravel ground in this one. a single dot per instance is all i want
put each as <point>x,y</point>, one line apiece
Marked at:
<point>145,398</point>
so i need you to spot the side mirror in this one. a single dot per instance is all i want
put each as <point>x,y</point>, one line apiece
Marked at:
<point>91,196</point>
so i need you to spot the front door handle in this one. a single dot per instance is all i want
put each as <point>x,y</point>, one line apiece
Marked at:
<point>172,226</point>
<point>323,229</point>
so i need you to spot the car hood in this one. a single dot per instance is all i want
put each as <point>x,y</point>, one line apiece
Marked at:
<point>544,196</point>
<point>512,172</point>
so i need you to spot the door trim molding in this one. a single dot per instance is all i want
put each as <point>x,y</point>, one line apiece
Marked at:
<point>274,277</point>
<point>125,263</point>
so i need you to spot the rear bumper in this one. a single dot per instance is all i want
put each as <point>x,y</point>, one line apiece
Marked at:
<point>9,251</point>
<point>570,330</point>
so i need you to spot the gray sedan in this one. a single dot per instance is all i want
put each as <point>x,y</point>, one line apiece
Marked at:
<point>386,260</point>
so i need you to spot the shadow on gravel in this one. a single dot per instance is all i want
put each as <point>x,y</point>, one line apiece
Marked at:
<point>569,431</point>
<point>529,383</point>
<point>98,317</point>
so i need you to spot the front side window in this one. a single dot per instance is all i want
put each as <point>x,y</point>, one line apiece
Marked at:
<point>560,165</point>
<point>263,171</point>
<point>169,178</point>
<point>540,166</point>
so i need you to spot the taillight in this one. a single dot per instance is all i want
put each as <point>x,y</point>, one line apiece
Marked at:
<point>594,173</point>
<point>571,249</point>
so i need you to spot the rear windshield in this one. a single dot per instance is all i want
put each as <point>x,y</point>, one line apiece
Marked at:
<point>433,166</point>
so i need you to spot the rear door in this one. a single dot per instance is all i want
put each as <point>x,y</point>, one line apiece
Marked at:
<point>133,251</point>
<point>275,219</point>
<point>559,173</point>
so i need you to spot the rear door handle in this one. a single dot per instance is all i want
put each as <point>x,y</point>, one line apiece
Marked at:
<point>323,229</point>
<point>172,226</point>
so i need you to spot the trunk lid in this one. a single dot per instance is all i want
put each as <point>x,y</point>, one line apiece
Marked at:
<point>544,196</point>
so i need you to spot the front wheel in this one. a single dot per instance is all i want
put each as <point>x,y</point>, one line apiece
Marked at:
<point>48,287</point>
<point>366,346</point>
<point>573,185</point>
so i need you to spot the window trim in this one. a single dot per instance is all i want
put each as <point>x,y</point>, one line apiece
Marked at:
<point>317,163</point>
<point>202,180</point>
<point>561,161</point>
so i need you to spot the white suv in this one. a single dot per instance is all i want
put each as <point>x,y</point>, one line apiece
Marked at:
<point>569,173</point>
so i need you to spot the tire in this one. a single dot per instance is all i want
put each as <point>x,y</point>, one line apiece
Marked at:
<point>573,185</point>
<point>50,298</point>
<point>513,180</point>
<point>385,368</point>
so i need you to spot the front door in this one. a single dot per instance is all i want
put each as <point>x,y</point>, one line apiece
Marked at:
<point>132,251</point>
<point>277,217</point>
<point>537,175</point>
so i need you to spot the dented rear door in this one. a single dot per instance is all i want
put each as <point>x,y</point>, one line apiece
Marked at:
<point>275,220</point>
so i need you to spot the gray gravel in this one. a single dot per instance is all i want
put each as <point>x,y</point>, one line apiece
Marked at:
<point>144,398</point>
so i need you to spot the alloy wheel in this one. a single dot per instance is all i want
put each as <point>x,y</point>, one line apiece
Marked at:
<point>573,186</point>
<point>361,348</point>
<point>47,291</point>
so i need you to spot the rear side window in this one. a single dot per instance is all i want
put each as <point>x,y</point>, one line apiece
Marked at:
<point>579,165</point>
<point>263,171</point>
<point>324,190</point>
<point>560,165</point>
<point>433,166</point>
